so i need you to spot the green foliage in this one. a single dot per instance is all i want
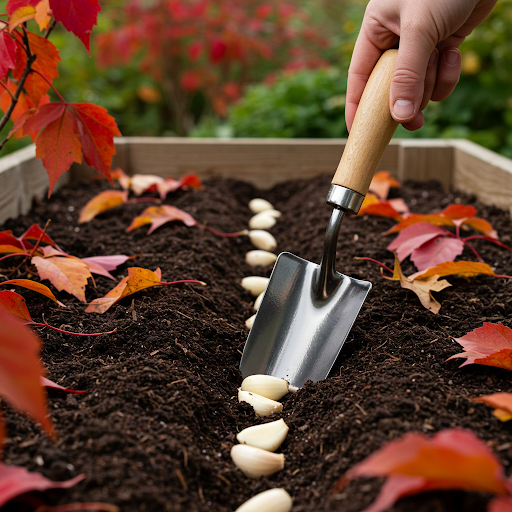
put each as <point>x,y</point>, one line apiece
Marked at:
<point>302,104</point>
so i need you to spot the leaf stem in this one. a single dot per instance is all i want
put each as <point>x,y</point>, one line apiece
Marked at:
<point>375,261</point>
<point>225,235</point>
<point>74,507</point>
<point>38,324</point>
<point>472,249</point>
<point>40,238</point>
<point>184,281</point>
<point>51,85</point>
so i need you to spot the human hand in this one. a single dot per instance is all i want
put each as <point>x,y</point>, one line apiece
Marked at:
<point>429,33</point>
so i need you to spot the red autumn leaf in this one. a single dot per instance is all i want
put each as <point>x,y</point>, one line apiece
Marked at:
<point>502,403</point>
<point>45,63</point>
<point>138,279</point>
<point>24,102</point>
<point>77,16</point>
<point>159,215</point>
<point>34,232</point>
<point>50,384</point>
<point>140,183</point>
<point>7,54</point>
<point>101,203</point>
<point>15,304</point>
<point>15,481</point>
<point>97,130</point>
<point>452,459</point>
<point>372,205</point>
<point>14,5</point>
<point>170,184</point>
<point>34,286</point>
<point>381,182</point>
<point>102,264</point>
<point>490,345</point>
<point>423,288</point>
<point>58,144</point>
<point>20,370</point>
<point>438,250</point>
<point>413,237</point>
<point>9,243</point>
<point>465,269</point>
<point>68,274</point>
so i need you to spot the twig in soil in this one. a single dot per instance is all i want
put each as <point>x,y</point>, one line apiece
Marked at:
<point>72,507</point>
<point>361,409</point>
<point>181,478</point>
<point>169,384</point>
<point>392,357</point>
<point>224,479</point>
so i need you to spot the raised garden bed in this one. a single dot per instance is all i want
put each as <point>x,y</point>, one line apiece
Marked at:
<point>155,428</point>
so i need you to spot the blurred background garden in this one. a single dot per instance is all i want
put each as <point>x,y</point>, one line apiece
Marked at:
<point>261,68</point>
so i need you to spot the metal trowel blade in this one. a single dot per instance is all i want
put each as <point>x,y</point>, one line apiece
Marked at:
<point>297,335</point>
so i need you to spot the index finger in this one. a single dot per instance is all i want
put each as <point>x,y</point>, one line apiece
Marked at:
<point>365,56</point>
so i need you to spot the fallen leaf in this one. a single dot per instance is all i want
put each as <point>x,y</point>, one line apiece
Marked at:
<point>381,182</point>
<point>438,250</point>
<point>451,459</point>
<point>489,345</point>
<point>50,384</point>
<point>101,203</point>
<point>502,403</point>
<point>34,232</point>
<point>15,304</point>
<point>119,175</point>
<point>20,370</point>
<point>139,183</point>
<point>102,264</point>
<point>68,274</point>
<point>34,286</point>
<point>423,288</point>
<point>413,237</point>
<point>77,16</point>
<point>457,268</point>
<point>372,205</point>
<point>11,244</point>
<point>159,215</point>
<point>170,184</point>
<point>15,481</point>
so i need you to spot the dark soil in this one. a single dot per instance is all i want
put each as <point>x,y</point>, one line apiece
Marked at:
<point>155,428</point>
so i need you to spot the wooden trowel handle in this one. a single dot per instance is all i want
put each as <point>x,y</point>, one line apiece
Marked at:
<point>371,131</point>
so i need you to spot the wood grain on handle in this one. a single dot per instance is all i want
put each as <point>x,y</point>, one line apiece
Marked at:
<point>371,131</point>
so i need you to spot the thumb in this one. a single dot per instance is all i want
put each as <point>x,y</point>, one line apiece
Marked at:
<point>408,80</point>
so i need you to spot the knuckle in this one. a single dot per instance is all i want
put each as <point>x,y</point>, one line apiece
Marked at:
<point>407,77</point>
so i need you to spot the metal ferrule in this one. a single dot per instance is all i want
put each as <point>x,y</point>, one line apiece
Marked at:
<point>344,198</point>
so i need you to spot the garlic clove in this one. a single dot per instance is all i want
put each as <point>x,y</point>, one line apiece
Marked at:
<point>265,385</point>
<point>271,500</point>
<point>268,436</point>
<point>257,302</point>
<point>250,321</point>
<point>255,284</point>
<point>260,258</point>
<point>255,462</point>
<point>262,406</point>
<point>258,205</point>
<point>274,213</point>
<point>262,239</point>
<point>262,220</point>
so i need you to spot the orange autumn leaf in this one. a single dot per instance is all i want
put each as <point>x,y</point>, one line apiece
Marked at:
<point>15,304</point>
<point>423,288</point>
<point>170,184</point>
<point>489,345</point>
<point>138,279</point>
<point>65,273</point>
<point>20,16</point>
<point>457,268</point>
<point>381,182</point>
<point>372,205</point>
<point>159,215</point>
<point>101,203</point>
<point>451,459</point>
<point>454,212</point>
<point>34,286</point>
<point>21,369</point>
<point>502,403</point>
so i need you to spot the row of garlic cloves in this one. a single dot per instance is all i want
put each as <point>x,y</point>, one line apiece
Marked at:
<point>264,218</point>
<point>255,454</point>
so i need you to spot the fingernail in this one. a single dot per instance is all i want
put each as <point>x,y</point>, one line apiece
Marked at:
<point>403,109</point>
<point>451,57</point>
<point>433,58</point>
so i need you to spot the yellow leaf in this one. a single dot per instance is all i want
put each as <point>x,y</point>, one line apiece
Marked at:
<point>43,14</point>
<point>20,16</point>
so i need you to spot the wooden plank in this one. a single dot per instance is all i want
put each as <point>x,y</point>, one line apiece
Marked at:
<point>262,162</point>
<point>424,160</point>
<point>482,172</point>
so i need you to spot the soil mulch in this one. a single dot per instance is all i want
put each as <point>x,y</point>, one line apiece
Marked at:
<point>155,428</point>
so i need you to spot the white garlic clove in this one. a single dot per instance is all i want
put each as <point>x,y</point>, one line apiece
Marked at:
<point>257,302</point>
<point>258,205</point>
<point>250,321</point>
<point>271,500</point>
<point>260,258</point>
<point>262,239</point>
<point>262,406</point>
<point>255,462</point>
<point>274,213</point>
<point>268,436</point>
<point>255,284</point>
<point>262,220</point>
<point>265,385</point>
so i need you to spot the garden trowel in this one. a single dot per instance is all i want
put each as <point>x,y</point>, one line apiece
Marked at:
<point>308,309</point>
